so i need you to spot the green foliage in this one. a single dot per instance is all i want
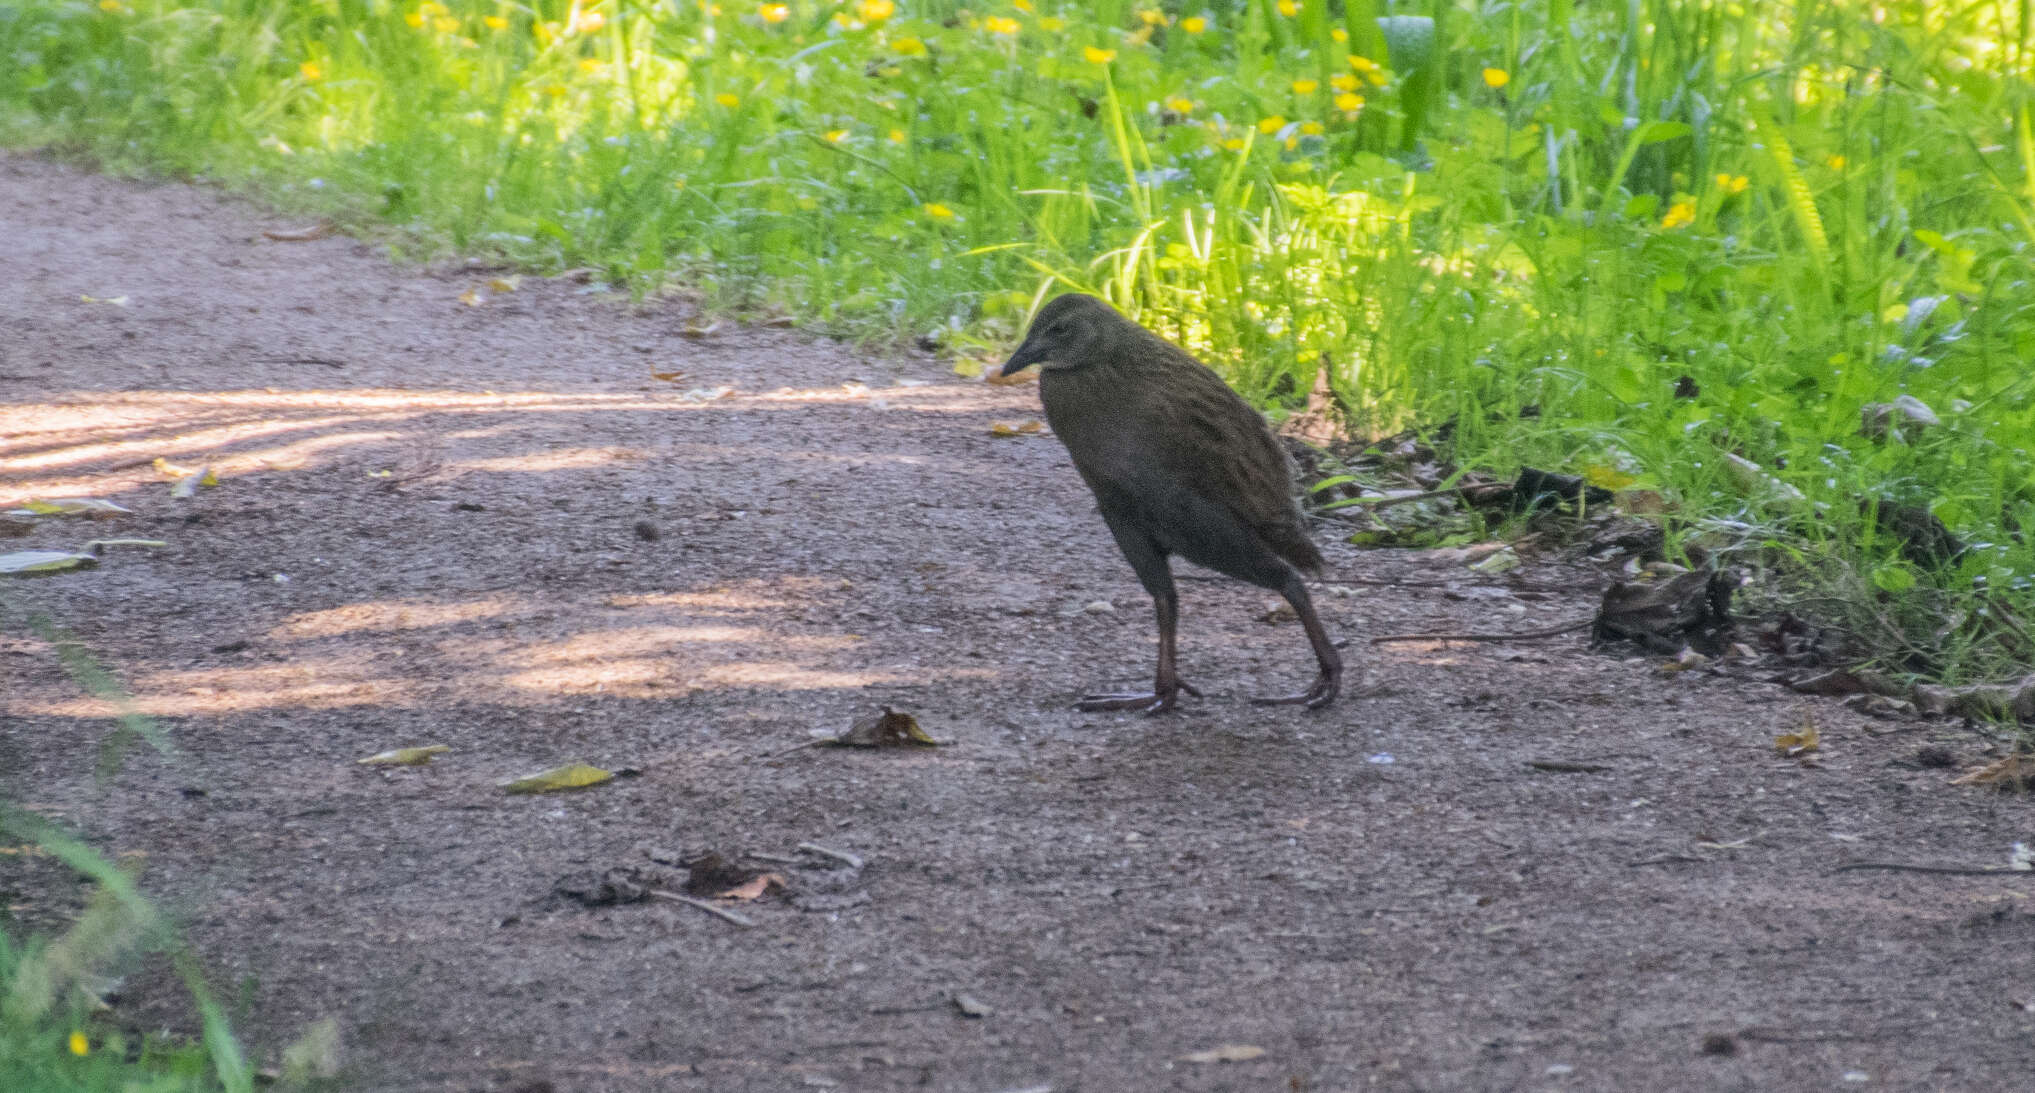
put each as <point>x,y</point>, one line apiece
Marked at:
<point>1785,213</point>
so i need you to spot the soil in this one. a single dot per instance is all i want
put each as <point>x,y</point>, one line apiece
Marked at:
<point>492,527</point>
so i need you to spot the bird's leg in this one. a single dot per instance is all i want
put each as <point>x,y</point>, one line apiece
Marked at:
<point>1330,682</point>
<point>1167,684</point>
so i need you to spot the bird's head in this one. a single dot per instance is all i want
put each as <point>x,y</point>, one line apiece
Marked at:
<point>1069,332</point>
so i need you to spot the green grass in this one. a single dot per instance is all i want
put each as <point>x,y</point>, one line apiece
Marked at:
<point>1793,211</point>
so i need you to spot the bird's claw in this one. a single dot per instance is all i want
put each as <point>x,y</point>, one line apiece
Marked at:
<point>1147,703</point>
<point>1323,692</point>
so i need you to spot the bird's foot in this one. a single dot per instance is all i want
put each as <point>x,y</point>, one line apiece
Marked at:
<point>1326,686</point>
<point>1155,702</point>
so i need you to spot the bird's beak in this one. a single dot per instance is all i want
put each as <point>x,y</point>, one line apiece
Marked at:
<point>1026,356</point>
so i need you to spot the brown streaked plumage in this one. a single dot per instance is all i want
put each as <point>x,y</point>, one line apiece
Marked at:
<point>1179,464</point>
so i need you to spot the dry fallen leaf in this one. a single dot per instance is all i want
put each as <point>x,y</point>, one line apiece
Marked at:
<point>754,887</point>
<point>1227,1053</point>
<point>37,563</point>
<point>67,506</point>
<point>971,1006</point>
<point>2002,774</point>
<point>116,301</point>
<point>505,284</point>
<point>700,330</point>
<point>187,486</point>
<point>668,377</point>
<point>405,757</point>
<point>995,377</point>
<point>970,367</point>
<point>889,729</point>
<point>569,776</point>
<point>1023,428</point>
<point>472,297</point>
<point>1800,742</point>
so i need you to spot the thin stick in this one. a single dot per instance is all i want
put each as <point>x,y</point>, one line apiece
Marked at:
<point>842,856</point>
<point>1530,635</point>
<point>1955,870</point>
<point>736,917</point>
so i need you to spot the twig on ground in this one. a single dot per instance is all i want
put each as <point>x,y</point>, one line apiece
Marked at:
<point>1530,635</point>
<point>1566,766</point>
<point>1955,870</point>
<point>736,917</point>
<point>842,856</point>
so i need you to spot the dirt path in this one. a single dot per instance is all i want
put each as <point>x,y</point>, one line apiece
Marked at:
<point>428,532</point>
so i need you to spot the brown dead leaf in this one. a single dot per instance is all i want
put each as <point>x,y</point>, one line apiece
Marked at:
<point>1227,1053</point>
<point>2005,775</point>
<point>299,235</point>
<point>1023,428</point>
<point>700,330</point>
<point>889,729</point>
<point>472,297</point>
<point>755,887</point>
<point>668,377</point>
<point>996,377</point>
<point>1800,742</point>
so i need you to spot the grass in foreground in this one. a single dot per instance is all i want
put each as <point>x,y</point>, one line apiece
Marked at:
<point>1682,247</point>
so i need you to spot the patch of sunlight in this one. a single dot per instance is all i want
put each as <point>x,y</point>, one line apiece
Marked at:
<point>386,615</point>
<point>561,460</point>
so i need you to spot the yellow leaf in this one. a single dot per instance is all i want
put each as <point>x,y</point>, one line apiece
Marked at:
<point>405,757</point>
<point>569,776</point>
<point>1027,428</point>
<point>505,284</point>
<point>1800,742</point>
<point>969,367</point>
<point>472,297</point>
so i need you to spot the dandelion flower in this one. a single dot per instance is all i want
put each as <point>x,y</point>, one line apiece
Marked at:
<point>1001,24</point>
<point>1732,184</point>
<point>1180,105</point>
<point>1235,144</point>
<point>496,22</point>
<point>938,211</point>
<point>1272,124</point>
<point>1836,163</point>
<point>1022,5</point>
<point>1152,17</point>
<point>1349,101</point>
<point>1680,213</point>
<point>1306,87</point>
<point>836,136</point>
<point>446,24</point>
<point>774,13</point>
<point>1194,24</point>
<point>414,18</point>
<point>311,71</point>
<point>909,47</point>
<point>897,136</point>
<point>1339,34</point>
<point>875,11</point>
<point>588,21</point>
<point>1362,64</point>
<point>728,99</point>
<point>1098,56</point>
<point>1343,81</point>
<point>1312,128</point>
<point>115,6</point>
<point>1289,8</point>
<point>79,1044</point>
<point>590,66</point>
<point>1496,77</point>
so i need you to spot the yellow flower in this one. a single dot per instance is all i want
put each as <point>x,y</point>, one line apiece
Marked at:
<point>1000,24</point>
<point>1098,56</point>
<point>496,22</point>
<point>1152,17</point>
<point>1349,100</point>
<point>1179,105</point>
<point>1732,184</point>
<point>591,66</point>
<point>592,20</point>
<point>1343,81</point>
<point>1362,64</point>
<point>897,136</point>
<point>836,136</point>
<point>1051,23</point>
<point>414,18</point>
<point>1836,163</point>
<point>1194,24</point>
<point>1376,76</point>
<point>446,24</point>
<point>1312,128</point>
<point>774,13</point>
<point>728,99</point>
<point>104,5</point>
<point>1306,87</point>
<point>1022,5</point>
<point>557,90</point>
<point>1339,34</point>
<point>909,47</point>
<point>1235,144</point>
<point>1289,8</point>
<point>1272,124</point>
<point>311,70</point>
<point>938,211</point>
<point>875,11</point>
<point>1680,213</point>
<point>79,1044</point>
<point>1496,77</point>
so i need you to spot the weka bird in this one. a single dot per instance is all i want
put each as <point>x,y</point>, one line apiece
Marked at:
<point>1180,464</point>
